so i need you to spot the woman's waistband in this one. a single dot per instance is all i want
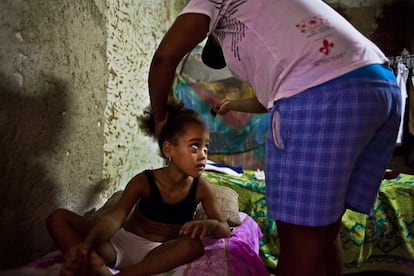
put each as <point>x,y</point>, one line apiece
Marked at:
<point>380,71</point>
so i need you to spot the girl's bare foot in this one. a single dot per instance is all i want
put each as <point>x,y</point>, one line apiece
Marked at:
<point>97,266</point>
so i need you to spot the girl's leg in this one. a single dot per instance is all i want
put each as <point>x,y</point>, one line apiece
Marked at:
<point>309,251</point>
<point>167,256</point>
<point>68,229</point>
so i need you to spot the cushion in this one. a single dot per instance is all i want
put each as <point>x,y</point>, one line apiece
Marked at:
<point>228,201</point>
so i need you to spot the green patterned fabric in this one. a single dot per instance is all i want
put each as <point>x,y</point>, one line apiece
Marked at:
<point>384,241</point>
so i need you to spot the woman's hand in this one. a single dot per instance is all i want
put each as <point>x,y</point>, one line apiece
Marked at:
<point>250,105</point>
<point>199,228</point>
<point>223,107</point>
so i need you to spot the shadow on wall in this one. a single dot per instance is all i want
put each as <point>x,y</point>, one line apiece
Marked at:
<point>29,129</point>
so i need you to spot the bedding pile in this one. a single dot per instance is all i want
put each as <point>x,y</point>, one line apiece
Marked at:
<point>383,241</point>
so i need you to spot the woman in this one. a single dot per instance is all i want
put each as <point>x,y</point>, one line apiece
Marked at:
<point>334,103</point>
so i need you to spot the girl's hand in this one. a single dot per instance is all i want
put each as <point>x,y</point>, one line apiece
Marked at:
<point>79,260</point>
<point>223,107</point>
<point>199,228</point>
<point>76,261</point>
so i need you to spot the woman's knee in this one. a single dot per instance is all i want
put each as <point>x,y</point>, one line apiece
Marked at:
<point>304,241</point>
<point>333,231</point>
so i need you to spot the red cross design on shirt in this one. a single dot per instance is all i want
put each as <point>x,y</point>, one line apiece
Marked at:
<point>326,48</point>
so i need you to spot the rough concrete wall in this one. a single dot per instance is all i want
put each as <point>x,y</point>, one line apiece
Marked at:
<point>134,31</point>
<point>73,78</point>
<point>53,77</point>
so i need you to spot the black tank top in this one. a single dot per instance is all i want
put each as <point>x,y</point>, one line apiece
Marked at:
<point>154,208</point>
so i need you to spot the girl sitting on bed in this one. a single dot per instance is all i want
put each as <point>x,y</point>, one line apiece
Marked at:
<point>161,233</point>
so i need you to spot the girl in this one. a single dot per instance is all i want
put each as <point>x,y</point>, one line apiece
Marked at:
<point>160,234</point>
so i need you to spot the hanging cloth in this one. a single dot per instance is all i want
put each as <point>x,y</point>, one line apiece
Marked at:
<point>230,133</point>
<point>402,76</point>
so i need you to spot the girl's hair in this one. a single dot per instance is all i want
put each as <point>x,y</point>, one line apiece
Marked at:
<point>179,118</point>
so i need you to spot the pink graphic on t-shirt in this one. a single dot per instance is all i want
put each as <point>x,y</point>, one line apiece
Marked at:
<point>310,23</point>
<point>326,48</point>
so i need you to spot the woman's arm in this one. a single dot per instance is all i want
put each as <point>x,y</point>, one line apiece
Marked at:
<point>250,105</point>
<point>187,31</point>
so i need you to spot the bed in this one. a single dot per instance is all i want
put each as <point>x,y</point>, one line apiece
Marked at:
<point>381,242</point>
<point>236,255</point>
<point>384,241</point>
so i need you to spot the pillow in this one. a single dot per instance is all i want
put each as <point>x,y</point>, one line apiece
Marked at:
<point>228,201</point>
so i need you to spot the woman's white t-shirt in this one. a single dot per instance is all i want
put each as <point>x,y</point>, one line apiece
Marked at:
<point>283,47</point>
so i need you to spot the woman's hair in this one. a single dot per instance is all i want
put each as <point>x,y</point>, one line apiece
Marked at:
<point>179,118</point>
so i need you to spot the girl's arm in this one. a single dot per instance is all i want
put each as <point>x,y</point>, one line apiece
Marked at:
<point>186,32</point>
<point>82,255</point>
<point>109,223</point>
<point>250,105</point>
<point>216,225</point>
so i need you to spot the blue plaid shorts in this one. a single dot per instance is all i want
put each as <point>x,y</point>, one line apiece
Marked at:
<point>327,149</point>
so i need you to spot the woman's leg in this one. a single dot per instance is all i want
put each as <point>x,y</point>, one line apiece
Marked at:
<point>334,260</point>
<point>167,256</point>
<point>309,251</point>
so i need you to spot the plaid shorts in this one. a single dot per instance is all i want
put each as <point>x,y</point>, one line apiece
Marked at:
<point>327,149</point>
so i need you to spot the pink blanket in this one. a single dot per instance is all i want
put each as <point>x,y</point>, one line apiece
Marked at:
<point>237,255</point>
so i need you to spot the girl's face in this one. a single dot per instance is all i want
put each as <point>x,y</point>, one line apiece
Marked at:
<point>189,152</point>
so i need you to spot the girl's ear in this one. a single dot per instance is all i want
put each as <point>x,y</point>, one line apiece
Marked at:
<point>166,149</point>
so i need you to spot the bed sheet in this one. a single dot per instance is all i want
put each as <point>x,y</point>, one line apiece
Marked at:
<point>383,241</point>
<point>236,255</point>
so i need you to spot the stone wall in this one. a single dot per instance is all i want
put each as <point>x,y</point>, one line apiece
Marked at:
<point>53,79</point>
<point>72,80</point>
